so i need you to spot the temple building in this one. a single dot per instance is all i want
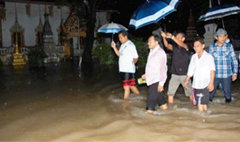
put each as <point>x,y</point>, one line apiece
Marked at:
<point>42,24</point>
<point>191,31</point>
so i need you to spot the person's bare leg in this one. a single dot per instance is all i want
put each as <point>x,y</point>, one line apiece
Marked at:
<point>126,92</point>
<point>200,108</point>
<point>163,107</point>
<point>170,99</point>
<point>135,90</point>
<point>205,107</point>
<point>190,98</point>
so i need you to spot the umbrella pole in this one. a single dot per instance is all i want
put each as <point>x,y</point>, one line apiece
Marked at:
<point>223,24</point>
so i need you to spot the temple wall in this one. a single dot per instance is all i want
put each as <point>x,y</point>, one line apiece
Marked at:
<point>29,23</point>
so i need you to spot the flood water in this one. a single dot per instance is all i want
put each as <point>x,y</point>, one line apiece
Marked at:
<point>55,104</point>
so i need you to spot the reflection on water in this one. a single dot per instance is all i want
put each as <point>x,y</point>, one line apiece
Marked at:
<point>54,104</point>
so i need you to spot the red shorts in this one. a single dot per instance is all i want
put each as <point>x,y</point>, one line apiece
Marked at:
<point>128,79</point>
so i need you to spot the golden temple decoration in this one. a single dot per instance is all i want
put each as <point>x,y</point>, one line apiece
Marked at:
<point>18,58</point>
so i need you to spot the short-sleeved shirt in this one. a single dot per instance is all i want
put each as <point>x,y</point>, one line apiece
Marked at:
<point>180,60</point>
<point>127,53</point>
<point>200,69</point>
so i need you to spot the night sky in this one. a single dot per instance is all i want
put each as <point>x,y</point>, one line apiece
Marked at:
<point>176,21</point>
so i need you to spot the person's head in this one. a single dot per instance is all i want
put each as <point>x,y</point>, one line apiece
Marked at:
<point>198,45</point>
<point>180,36</point>
<point>221,36</point>
<point>153,41</point>
<point>123,36</point>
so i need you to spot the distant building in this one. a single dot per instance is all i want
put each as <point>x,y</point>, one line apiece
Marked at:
<point>191,31</point>
<point>39,23</point>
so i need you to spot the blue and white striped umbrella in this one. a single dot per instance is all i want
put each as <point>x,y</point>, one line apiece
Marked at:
<point>220,11</point>
<point>152,11</point>
<point>111,28</point>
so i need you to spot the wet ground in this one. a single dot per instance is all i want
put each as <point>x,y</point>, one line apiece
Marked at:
<point>55,104</point>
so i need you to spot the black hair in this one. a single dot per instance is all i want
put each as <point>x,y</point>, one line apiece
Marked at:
<point>157,38</point>
<point>124,33</point>
<point>199,39</point>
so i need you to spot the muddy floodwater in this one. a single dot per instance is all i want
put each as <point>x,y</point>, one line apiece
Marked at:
<point>55,104</point>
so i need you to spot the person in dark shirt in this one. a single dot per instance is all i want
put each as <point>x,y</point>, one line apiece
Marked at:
<point>180,62</point>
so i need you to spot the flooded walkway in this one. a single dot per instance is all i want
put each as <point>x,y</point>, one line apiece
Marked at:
<point>54,104</point>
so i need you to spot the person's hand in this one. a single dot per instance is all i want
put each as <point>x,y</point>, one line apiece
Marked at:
<point>163,34</point>
<point>160,88</point>
<point>169,35</point>
<point>234,77</point>
<point>143,77</point>
<point>113,44</point>
<point>186,83</point>
<point>210,87</point>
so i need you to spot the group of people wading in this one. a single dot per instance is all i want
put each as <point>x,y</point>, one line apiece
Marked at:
<point>209,69</point>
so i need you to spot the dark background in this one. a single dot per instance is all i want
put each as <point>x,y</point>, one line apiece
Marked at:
<point>175,21</point>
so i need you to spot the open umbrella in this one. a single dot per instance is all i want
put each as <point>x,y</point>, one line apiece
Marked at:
<point>220,11</point>
<point>152,11</point>
<point>111,28</point>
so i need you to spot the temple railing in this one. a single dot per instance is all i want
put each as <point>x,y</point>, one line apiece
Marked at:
<point>10,50</point>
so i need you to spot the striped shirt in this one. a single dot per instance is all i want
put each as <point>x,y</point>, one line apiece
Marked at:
<point>225,60</point>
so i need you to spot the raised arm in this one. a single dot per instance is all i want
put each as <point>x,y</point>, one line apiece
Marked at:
<point>177,41</point>
<point>165,42</point>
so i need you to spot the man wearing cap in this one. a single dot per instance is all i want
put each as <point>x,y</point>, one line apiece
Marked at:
<point>225,63</point>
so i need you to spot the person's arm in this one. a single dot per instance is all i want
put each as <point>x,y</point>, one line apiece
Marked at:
<point>165,42</point>
<point>212,73</point>
<point>211,83</point>
<point>135,60</point>
<point>134,54</point>
<point>234,64</point>
<point>187,81</point>
<point>178,42</point>
<point>190,72</point>
<point>113,45</point>
<point>163,69</point>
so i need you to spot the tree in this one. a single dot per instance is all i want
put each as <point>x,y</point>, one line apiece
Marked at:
<point>91,19</point>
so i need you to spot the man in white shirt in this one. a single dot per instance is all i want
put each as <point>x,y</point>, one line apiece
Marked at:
<point>128,57</point>
<point>202,68</point>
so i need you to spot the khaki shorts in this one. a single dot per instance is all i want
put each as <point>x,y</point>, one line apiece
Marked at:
<point>174,83</point>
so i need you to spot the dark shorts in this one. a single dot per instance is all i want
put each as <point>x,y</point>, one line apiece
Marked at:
<point>128,79</point>
<point>200,96</point>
